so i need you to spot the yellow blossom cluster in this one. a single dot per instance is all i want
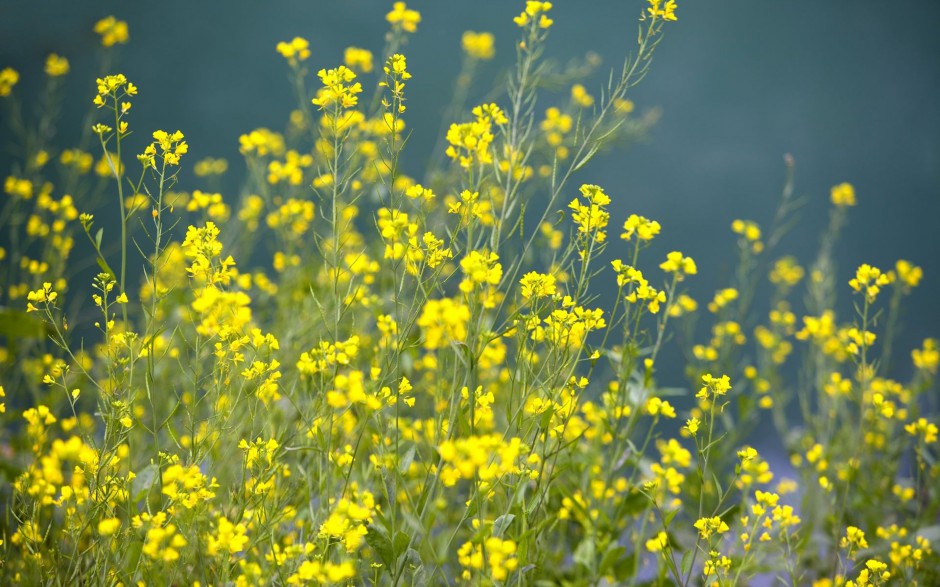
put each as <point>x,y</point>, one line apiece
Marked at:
<point>349,518</point>
<point>294,51</point>
<point>495,557</point>
<point>337,88</point>
<point>478,45</point>
<point>469,142</point>
<point>9,77</point>
<point>536,14</point>
<point>664,10</point>
<point>591,219</point>
<point>112,31</point>
<point>401,17</point>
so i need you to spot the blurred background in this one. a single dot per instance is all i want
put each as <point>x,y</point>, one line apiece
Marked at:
<point>850,90</point>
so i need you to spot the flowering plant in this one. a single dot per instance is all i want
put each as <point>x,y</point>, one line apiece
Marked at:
<point>350,376</point>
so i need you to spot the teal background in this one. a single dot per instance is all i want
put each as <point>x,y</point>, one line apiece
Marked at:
<point>850,89</point>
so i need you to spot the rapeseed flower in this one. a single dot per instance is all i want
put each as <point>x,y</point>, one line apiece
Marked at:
<point>112,31</point>
<point>8,78</point>
<point>56,65</point>
<point>478,45</point>
<point>404,18</point>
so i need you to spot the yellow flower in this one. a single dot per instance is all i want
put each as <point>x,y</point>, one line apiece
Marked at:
<point>112,31</point>
<point>843,195</point>
<point>644,228</point>
<point>470,141</point>
<point>682,306</point>
<point>187,486</point>
<point>537,285</point>
<point>322,573</point>
<point>906,274</point>
<point>418,191</point>
<point>114,86</point>
<point>261,141</point>
<point>162,540</point>
<point>297,50</point>
<point>8,78</point>
<point>713,387</point>
<point>228,538</point>
<point>854,539</point>
<point>639,289</point>
<point>591,219</point>
<point>172,146</point>
<point>658,542</point>
<point>708,526</point>
<point>109,526</point>
<point>337,89</point>
<point>358,59</point>
<point>869,280</point>
<point>397,66</point>
<point>533,9</point>
<point>210,166</point>
<point>495,556</point>
<point>665,11</point>
<point>876,566</point>
<point>787,272</point>
<point>722,298</point>
<point>443,322</point>
<point>747,454</point>
<point>44,295</point>
<point>922,428</point>
<point>402,18</point>
<point>656,406</point>
<point>349,519</point>
<point>679,264</point>
<point>56,66</point>
<point>750,231</point>
<point>928,357</point>
<point>716,564</point>
<point>478,45</point>
<point>580,96</point>
<point>480,268</point>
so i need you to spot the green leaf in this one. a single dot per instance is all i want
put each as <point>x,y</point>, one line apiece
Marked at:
<point>686,565</point>
<point>633,504</point>
<point>717,483</point>
<point>143,482</point>
<point>625,568</point>
<point>105,267</point>
<point>667,519</point>
<point>412,521</point>
<point>20,324</point>
<point>405,462</point>
<point>501,523</point>
<point>585,554</point>
<point>546,420</point>
<point>98,236</point>
<point>400,543</point>
<point>421,577</point>
<point>584,160</point>
<point>377,538</point>
<point>610,558</point>
<point>9,470</point>
<point>410,558</point>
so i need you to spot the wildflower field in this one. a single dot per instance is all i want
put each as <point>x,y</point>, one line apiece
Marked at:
<point>340,374</point>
